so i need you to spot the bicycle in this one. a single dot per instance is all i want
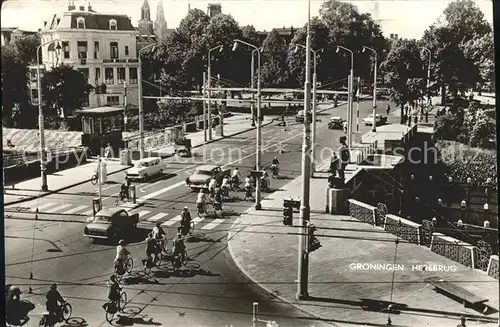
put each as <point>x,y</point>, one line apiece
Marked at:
<point>179,260</point>
<point>189,231</point>
<point>112,307</point>
<point>121,197</point>
<point>49,319</point>
<point>95,178</point>
<point>151,262</point>
<point>125,268</point>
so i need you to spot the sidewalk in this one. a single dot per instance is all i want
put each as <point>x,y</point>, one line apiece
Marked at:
<point>337,288</point>
<point>30,189</point>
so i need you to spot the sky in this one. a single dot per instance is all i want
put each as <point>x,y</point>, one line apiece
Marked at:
<point>407,18</point>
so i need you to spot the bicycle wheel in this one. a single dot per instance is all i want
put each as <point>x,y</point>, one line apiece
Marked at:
<point>158,259</point>
<point>109,316</point>
<point>185,258</point>
<point>67,310</point>
<point>93,179</point>
<point>123,300</point>
<point>129,265</point>
<point>191,228</point>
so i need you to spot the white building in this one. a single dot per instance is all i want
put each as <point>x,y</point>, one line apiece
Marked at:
<point>102,46</point>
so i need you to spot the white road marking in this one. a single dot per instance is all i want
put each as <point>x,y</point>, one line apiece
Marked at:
<point>213,224</point>
<point>158,217</point>
<point>56,209</point>
<point>143,213</point>
<point>172,221</point>
<point>79,208</point>
<point>198,220</point>
<point>44,206</point>
<point>88,212</point>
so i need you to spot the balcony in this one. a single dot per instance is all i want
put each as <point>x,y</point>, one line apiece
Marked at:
<point>119,61</point>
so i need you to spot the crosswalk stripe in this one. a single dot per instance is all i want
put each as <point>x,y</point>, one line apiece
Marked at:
<point>56,209</point>
<point>172,221</point>
<point>88,212</point>
<point>143,213</point>
<point>158,216</point>
<point>198,220</point>
<point>45,205</point>
<point>213,224</point>
<point>75,209</point>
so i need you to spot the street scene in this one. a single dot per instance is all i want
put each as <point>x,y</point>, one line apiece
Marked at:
<point>234,169</point>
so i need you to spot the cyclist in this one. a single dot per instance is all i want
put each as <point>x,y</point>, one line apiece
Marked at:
<point>151,247</point>
<point>185,221</point>
<point>179,246</point>
<point>212,185</point>
<point>264,181</point>
<point>124,190</point>
<point>235,176</point>
<point>248,187</point>
<point>12,298</point>
<point>114,289</point>
<point>218,198</point>
<point>54,301</point>
<point>121,256</point>
<point>225,186</point>
<point>200,201</point>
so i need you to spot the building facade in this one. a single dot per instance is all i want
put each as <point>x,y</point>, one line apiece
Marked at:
<point>10,34</point>
<point>101,46</point>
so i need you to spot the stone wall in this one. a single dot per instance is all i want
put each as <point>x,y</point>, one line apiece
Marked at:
<point>454,249</point>
<point>493,267</point>
<point>403,228</point>
<point>362,211</point>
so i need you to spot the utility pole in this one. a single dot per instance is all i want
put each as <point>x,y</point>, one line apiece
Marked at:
<point>209,93</point>
<point>350,97</point>
<point>252,86</point>
<point>141,107</point>
<point>303,255</point>
<point>125,106</point>
<point>374,125</point>
<point>99,180</point>
<point>204,106</point>
<point>358,95</point>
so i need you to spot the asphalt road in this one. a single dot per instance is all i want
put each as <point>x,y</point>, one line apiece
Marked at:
<point>210,291</point>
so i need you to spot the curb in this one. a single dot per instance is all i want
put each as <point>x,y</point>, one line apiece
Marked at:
<point>58,190</point>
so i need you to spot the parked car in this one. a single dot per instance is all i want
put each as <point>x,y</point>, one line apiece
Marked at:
<point>379,120</point>
<point>299,118</point>
<point>203,174</point>
<point>335,123</point>
<point>111,223</point>
<point>145,168</point>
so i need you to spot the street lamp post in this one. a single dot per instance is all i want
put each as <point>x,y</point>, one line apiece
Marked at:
<point>313,137</point>
<point>209,82</point>
<point>125,106</point>
<point>428,79</point>
<point>258,205</point>
<point>43,173</point>
<point>374,127</point>
<point>303,252</point>
<point>141,107</point>
<point>350,100</point>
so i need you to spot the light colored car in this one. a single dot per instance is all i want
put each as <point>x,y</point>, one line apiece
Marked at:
<point>379,119</point>
<point>203,174</point>
<point>145,168</point>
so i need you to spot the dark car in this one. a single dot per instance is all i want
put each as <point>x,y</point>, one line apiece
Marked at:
<point>203,174</point>
<point>111,223</point>
<point>335,123</point>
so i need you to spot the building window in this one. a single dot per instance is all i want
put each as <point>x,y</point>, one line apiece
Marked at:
<point>132,75</point>
<point>80,23</point>
<point>82,49</point>
<point>96,49</point>
<point>121,75</point>
<point>97,76</point>
<point>34,94</point>
<point>84,72</point>
<point>109,75</point>
<point>113,46</point>
<point>65,49</point>
<point>112,24</point>
<point>113,100</point>
<point>85,102</point>
<point>126,50</point>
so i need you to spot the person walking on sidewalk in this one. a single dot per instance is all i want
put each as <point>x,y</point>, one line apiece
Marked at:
<point>344,158</point>
<point>388,110</point>
<point>108,152</point>
<point>334,165</point>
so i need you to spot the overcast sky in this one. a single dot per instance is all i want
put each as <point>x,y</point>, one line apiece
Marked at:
<point>408,18</point>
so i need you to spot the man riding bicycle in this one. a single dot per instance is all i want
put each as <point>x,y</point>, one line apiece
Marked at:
<point>225,186</point>
<point>235,176</point>
<point>151,247</point>
<point>114,289</point>
<point>54,301</point>
<point>124,193</point>
<point>212,185</point>
<point>185,221</point>
<point>218,199</point>
<point>200,201</point>
<point>121,256</point>
<point>179,247</point>
<point>158,233</point>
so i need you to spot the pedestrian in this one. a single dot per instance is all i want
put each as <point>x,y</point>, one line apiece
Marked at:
<point>462,322</point>
<point>344,158</point>
<point>334,165</point>
<point>388,110</point>
<point>108,152</point>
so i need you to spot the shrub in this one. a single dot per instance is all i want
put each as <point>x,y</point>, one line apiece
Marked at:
<point>462,161</point>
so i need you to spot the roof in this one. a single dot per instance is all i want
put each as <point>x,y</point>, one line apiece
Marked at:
<point>109,211</point>
<point>93,21</point>
<point>207,167</point>
<point>101,111</point>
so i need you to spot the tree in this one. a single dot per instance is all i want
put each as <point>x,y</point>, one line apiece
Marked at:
<point>274,70</point>
<point>15,94</point>
<point>481,52</point>
<point>467,20</point>
<point>249,34</point>
<point>26,47</point>
<point>64,89</point>
<point>405,73</point>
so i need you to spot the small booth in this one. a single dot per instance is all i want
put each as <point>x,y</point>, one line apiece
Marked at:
<point>102,126</point>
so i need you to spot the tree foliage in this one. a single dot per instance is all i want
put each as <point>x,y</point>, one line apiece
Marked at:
<point>274,71</point>
<point>26,47</point>
<point>64,89</point>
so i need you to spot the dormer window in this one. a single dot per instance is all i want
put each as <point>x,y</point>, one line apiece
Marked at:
<point>80,23</point>
<point>112,25</point>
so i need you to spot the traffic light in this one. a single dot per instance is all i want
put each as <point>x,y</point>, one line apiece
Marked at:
<point>288,212</point>
<point>313,243</point>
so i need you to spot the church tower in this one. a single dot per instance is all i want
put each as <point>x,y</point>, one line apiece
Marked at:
<point>146,24</point>
<point>160,25</point>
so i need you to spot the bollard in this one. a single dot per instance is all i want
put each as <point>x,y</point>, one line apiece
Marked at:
<point>132,193</point>
<point>96,205</point>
